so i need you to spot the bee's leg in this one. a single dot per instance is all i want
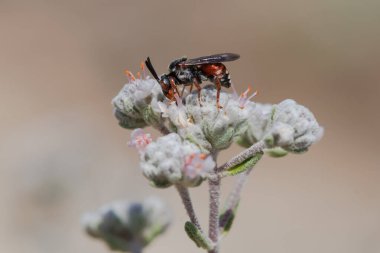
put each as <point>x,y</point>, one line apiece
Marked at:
<point>183,90</point>
<point>173,85</point>
<point>198,86</point>
<point>218,88</point>
<point>191,88</point>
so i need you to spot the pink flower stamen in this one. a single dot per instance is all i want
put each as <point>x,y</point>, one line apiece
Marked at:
<point>195,164</point>
<point>142,67</point>
<point>243,98</point>
<point>129,75</point>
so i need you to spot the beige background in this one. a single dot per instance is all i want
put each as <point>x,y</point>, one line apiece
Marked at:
<point>62,152</point>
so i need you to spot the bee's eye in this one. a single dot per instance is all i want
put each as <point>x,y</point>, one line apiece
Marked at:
<point>165,83</point>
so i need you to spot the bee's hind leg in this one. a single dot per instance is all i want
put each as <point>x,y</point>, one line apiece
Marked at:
<point>218,88</point>
<point>198,86</point>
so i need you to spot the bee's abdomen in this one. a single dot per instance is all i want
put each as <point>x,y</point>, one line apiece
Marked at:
<point>225,79</point>
<point>217,70</point>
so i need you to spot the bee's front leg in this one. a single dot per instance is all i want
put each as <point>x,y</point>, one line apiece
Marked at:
<point>173,85</point>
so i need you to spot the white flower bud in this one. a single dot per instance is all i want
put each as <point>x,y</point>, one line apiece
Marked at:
<point>136,105</point>
<point>165,162</point>
<point>123,225</point>
<point>294,127</point>
<point>257,125</point>
<point>288,125</point>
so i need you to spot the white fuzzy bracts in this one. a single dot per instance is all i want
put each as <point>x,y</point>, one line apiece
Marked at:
<point>194,131</point>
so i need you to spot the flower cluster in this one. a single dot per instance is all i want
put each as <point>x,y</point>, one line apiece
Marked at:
<point>136,105</point>
<point>198,128</point>
<point>206,125</point>
<point>126,226</point>
<point>171,160</point>
<point>194,130</point>
<point>287,125</point>
<point>294,129</point>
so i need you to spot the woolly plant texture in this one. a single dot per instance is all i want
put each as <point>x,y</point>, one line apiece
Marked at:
<point>193,134</point>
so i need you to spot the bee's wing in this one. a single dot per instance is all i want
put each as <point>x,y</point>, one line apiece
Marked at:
<point>216,58</point>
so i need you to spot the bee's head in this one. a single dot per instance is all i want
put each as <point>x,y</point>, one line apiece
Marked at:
<point>163,81</point>
<point>166,87</point>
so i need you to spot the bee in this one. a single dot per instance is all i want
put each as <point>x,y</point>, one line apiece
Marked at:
<point>189,72</point>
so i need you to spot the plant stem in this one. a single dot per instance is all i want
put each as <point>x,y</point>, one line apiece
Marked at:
<point>234,196</point>
<point>214,189</point>
<point>214,193</point>
<point>254,149</point>
<point>136,247</point>
<point>185,196</point>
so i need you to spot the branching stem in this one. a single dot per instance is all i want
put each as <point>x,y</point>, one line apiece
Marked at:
<point>234,196</point>
<point>251,151</point>
<point>185,196</point>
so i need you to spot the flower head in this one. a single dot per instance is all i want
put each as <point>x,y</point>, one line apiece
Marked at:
<point>294,128</point>
<point>206,124</point>
<point>136,105</point>
<point>287,125</point>
<point>123,225</point>
<point>170,160</point>
<point>256,126</point>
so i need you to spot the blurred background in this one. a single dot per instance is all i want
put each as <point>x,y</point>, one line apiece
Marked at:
<point>62,152</point>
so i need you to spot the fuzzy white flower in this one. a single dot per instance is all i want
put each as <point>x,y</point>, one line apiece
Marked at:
<point>139,139</point>
<point>125,225</point>
<point>294,127</point>
<point>207,125</point>
<point>166,162</point>
<point>257,125</point>
<point>137,104</point>
<point>197,164</point>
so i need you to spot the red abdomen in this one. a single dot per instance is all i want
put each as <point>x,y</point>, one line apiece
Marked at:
<point>217,70</point>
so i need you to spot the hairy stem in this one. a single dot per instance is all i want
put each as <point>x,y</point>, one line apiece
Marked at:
<point>234,196</point>
<point>136,247</point>
<point>214,189</point>
<point>185,196</point>
<point>214,193</point>
<point>254,149</point>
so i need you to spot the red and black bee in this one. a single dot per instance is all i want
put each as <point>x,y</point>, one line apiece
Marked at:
<point>189,72</point>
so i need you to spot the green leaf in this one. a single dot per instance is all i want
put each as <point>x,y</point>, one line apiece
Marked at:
<point>194,234</point>
<point>227,217</point>
<point>245,165</point>
<point>244,141</point>
<point>276,152</point>
<point>150,117</point>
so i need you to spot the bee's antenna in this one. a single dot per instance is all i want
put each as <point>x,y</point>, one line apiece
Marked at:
<point>149,65</point>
